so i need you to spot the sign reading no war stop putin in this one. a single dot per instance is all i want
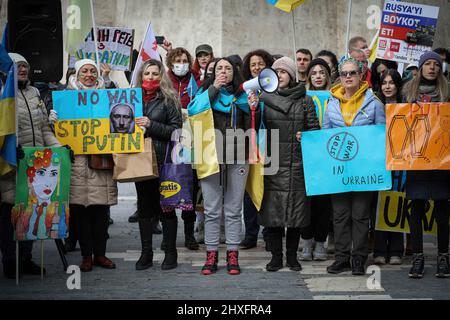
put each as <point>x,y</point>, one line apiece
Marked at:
<point>345,159</point>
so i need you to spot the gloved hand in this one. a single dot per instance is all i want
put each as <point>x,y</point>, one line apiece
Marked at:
<point>20,154</point>
<point>72,154</point>
<point>53,116</point>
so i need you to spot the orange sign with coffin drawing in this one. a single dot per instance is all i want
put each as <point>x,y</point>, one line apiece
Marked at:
<point>418,136</point>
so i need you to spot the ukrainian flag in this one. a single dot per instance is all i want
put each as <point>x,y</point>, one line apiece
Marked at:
<point>206,160</point>
<point>7,114</point>
<point>285,5</point>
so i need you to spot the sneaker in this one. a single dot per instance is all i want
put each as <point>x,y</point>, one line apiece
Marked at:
<point>395,260</point>
<point>418,265</point>
<point>306,254</point>
<point>339,266</point>
<point>443,268</point>
<point>247,244</point>
<point>380,260</point>
<point>358,266</point>
<point>320,253</point>
<point>233,263</point>
<point>210,267</point>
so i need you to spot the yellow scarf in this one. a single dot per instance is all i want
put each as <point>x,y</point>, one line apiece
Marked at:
<point>350,107</point>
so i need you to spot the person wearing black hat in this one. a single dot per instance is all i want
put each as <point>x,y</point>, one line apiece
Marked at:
<point>319,75</point>
<point>203,55</point>
<point>429,85</point>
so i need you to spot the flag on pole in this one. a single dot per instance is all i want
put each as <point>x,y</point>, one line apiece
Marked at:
<point>7,112</point>
<point>192,87</point>
<point>373,47</point>
<point>286,5</point>
<point>79,23</point>
<point>149,50</point>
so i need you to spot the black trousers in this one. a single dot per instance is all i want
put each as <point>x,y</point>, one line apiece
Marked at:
<point>388,244</point>
<point>190,216</point>
<point>148,198</point>
<point>7,243</point>
<point>442,213</point>
<point>92,228</point>
<point>320,219</point>
<point>351,213</point>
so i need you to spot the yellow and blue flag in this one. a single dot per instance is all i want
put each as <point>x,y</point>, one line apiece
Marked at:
<point>192,87</point>
<point>285,5</point>
<point>206,160</point>
<point>7,113</point>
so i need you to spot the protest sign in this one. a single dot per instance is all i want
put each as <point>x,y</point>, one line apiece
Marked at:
<point>407,30</point>
<point>320,99</point>
<point>418,136</point>
<point>41,208</point>
<point>394,212</point>
<point>99,121</point>
<point>345,159</point>
<point>115,46</point>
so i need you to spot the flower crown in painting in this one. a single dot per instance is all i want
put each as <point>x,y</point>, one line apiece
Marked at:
<point>41,159</point>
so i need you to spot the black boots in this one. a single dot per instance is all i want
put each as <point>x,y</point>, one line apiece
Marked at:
<point>275,242</point>
<point>292,241</point>
<point>190,241</point>
<point>170,236</point>
<point>145,229</point>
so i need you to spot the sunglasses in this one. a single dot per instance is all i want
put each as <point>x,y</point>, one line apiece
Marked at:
<point>345,74</point>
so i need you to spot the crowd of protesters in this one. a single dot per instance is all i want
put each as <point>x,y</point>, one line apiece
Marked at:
<point>359,92</point>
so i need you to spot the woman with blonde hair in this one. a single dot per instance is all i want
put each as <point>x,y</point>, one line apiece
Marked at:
<point>161,117</point>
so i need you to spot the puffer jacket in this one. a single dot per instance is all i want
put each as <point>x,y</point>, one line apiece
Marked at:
<point>33,131</point>
<point>285,203</point>
<point>164,119</point>
<point>371,112</point>
<point>89,186</point>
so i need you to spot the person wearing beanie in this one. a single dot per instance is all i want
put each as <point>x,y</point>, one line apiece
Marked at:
<point>352,103</point>
<point>284,203</point>
<point>319,75</point>
<point>429,85</point>
<point>92,189</point>
<point>33,131</point>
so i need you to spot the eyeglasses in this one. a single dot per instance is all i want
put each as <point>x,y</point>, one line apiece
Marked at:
<point>345,74</point>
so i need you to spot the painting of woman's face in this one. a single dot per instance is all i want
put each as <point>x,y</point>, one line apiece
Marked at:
<point>45,181</point>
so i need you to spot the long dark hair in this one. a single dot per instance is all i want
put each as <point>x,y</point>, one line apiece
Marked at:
<point>397,78</point>
<point>236,82</point>
<point>375,78</point>
<point>267,57</point>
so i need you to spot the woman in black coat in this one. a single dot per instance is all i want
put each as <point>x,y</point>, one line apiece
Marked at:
<point>429,85</point>
<point>285,203</point>
<point>162,116</point>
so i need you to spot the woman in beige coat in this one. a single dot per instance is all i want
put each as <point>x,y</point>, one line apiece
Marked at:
<point>92,191</point>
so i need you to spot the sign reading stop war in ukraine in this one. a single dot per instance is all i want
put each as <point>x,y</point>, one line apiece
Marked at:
<point>418,136</point>
<point>320,99</point>
<point>99,121</point>
<point>115,46</point>
<point>407,30</point>
<point>345,159</point>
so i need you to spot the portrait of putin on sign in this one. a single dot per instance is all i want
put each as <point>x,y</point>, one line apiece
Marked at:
<point>122,118</point>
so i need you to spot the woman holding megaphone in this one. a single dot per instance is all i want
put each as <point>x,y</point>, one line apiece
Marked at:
<point>216,114</point>
<point>285,204</point>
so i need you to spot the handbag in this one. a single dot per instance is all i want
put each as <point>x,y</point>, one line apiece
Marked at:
<point>134,167</point>
<point>100,161</point>
<point>176,185</point>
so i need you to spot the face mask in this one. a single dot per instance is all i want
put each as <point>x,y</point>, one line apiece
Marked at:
<point>180,69</point>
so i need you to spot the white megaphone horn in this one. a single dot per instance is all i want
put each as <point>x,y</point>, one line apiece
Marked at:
<point>267,81</point>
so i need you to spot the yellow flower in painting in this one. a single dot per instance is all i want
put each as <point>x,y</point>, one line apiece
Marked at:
<point>39,154</point>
